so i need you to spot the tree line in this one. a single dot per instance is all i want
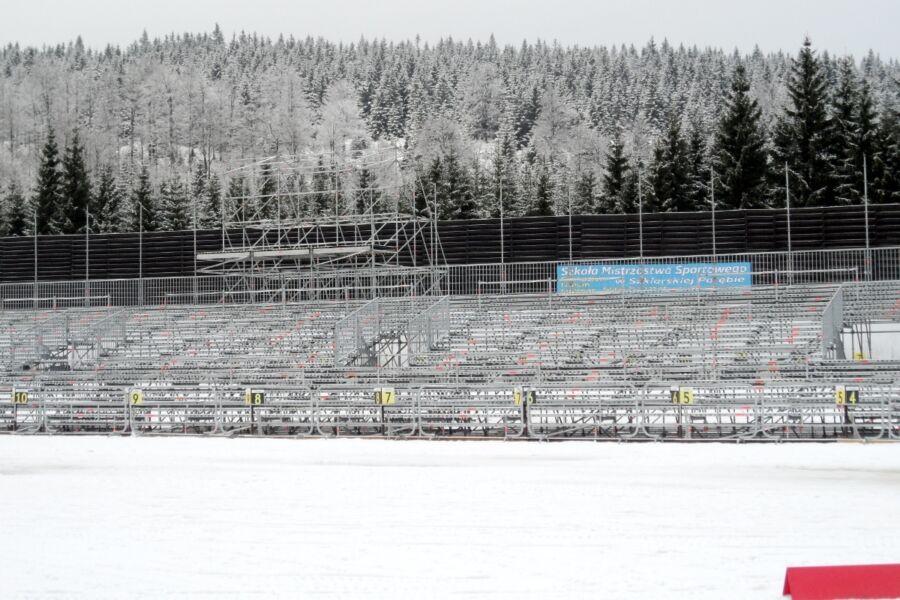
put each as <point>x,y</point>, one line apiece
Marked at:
<point>150,131</point>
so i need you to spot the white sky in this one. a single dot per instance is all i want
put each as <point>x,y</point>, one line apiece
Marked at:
<point>841,26</point>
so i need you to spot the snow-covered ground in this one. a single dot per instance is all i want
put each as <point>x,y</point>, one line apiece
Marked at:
<point>98,517</point>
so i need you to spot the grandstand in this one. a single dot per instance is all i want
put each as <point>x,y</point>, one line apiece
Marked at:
<point>353,325</point>
<point>757,362</point>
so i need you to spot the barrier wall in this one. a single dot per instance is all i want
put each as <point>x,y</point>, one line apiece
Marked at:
<point>527,239</point>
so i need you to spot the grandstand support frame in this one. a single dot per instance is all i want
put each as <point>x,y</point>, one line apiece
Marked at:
<point>313,235</point>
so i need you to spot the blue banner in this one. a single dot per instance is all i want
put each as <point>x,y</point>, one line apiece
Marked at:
<point>601,277</point>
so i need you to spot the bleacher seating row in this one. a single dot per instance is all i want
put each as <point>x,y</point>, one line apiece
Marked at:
<point>730,338</point>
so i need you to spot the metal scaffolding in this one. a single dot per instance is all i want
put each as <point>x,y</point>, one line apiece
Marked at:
<point>317,223</point>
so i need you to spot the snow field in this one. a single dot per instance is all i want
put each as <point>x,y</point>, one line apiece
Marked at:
<point>98,517</point>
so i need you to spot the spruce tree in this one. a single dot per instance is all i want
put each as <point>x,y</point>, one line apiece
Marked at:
<point>584,200</point>
<point>199,182</point>
<point>867,129</point>
<point>106,203</point>
<point>235,199</point>
<point>175,214</point>
<point>528,113</point>
<point>143,205</point>
<point>542,204</point>
<point>322,201</point>
<point>4,211</point>
<point>802,136</point>
<point>848,178</point>
<point>266,192</point>
<point>614,198</point>
<point>698,170</point>
<point>48,197</point>
<point>739,150</point>
<point>503,184</point>
<point>432,185</point>
<point>15,218</point>
<point>635,191</point>
<point>76,187</point>
<point>365,197</point>
<point>212,214</point>
<point>671,173</point>
<point>460,203</point>
<point>482,192</point>
<point>885,169</point>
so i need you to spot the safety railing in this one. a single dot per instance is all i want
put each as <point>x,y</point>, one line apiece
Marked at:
<point>832,326</point>
<point>356,332</point>
<point>427,328</point>
<point>779,411</point>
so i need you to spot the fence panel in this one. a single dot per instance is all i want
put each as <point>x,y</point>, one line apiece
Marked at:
<point>813,266</point>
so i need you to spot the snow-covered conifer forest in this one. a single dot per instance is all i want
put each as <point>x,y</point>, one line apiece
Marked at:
<point>159,122</point>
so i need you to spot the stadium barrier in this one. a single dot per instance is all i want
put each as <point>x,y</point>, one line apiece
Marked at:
<point>781,411</point>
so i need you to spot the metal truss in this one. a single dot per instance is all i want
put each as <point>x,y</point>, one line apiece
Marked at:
<point>282,227</point>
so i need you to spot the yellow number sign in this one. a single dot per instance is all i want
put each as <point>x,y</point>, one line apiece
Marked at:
<point>385,396</point>
<point>254,397</point>
<point>136,396</point>
<point>20,396</point>
<point>681,395</point>
<point>845,395</point>
<point>840,395</point>
<point>527,396</point>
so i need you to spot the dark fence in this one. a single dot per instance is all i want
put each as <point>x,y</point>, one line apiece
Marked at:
<point>530,239</point>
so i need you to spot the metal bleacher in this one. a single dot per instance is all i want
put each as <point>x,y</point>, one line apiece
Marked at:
<point>761,363</point>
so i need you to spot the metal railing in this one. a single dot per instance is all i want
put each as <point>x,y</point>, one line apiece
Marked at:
<point>427,328</point>
<point>224,289</point>
<point>769,268</point>
<point>356,332</point>
<point>832,325</point>
<point>813,266</point>
<point>413,322</point>
<point>778,411</point>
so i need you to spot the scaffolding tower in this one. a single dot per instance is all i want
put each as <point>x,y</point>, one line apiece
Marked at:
<point>326,226</point>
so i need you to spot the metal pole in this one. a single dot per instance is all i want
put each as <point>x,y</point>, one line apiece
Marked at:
<point>640,216</point>
<point>87,242</point>
<point>502,241</point>
<point>87,253</point>
<point>569,196</point>
<point>866,208</point>
<point>434,240</point>
<point>141,251</point>
<point>195,250</point>
<point>34,291</point>
<point>502,249</point>
<point>712,195</point>
<point>641,223</point>
<point>373,276</point>
<point>787,191</point>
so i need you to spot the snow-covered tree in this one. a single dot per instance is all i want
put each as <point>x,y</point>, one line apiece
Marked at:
<point>739,149</point>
